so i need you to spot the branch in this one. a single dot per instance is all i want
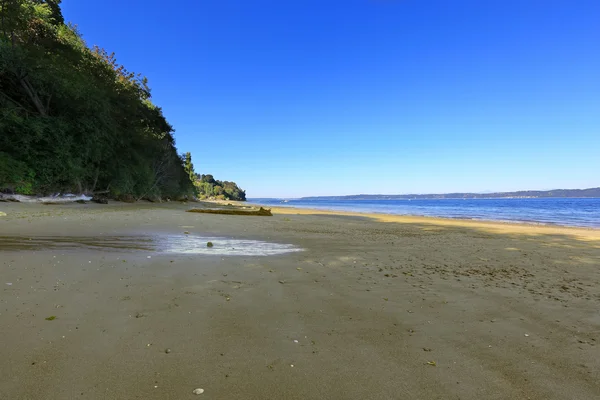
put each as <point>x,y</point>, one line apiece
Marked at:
<point>33,96</point>
<point>7,97</point>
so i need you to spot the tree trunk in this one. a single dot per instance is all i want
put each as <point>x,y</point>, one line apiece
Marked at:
<point>95,180</point>
<point>33,96</point>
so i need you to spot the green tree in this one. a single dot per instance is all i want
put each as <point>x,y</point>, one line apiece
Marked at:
<point>73,119</point>
<point>189,166</point>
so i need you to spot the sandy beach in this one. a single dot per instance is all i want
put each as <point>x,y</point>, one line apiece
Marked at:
<point>373,307</point>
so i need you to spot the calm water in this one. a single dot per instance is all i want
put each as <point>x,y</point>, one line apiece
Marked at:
<point>573,212</point>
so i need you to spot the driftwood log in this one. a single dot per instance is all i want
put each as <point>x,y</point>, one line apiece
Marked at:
<point>262,212</point>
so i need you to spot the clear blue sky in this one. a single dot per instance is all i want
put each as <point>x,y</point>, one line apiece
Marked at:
<point>328,97</point>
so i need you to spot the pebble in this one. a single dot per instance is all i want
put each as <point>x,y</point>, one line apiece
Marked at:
<point>198,391</point>
<point>167,351</point>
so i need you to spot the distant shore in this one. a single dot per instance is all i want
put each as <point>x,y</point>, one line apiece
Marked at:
<point>521,194</point>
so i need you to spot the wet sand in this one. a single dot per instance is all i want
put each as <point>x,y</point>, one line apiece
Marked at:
<point>374,307</point>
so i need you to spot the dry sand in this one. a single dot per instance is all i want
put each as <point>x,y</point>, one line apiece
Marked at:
<point>381,307</point>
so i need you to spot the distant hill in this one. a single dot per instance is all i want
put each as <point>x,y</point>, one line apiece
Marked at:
<point>558,193</point>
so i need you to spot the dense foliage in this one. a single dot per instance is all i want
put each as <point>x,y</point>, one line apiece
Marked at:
<point>209,188</point>
<point>73,119</point>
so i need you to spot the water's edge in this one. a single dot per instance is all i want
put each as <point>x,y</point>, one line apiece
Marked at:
<point>568,212</point>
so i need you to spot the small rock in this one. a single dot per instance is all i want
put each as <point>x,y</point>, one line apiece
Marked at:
<point>167,351</point>
<point>209,244</point>
<point>282,282</point>
<point>2,214</point>
<point>198,391</point>
<point>186,233</point>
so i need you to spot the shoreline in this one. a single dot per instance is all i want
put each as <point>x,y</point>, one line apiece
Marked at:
<point>507,220</point>
<point>521,227</point>
<point>500,226</point>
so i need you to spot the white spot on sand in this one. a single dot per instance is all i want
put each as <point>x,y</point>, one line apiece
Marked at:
<point>190,244</point>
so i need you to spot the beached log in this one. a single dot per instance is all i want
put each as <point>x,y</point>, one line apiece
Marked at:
<point>262,212</point>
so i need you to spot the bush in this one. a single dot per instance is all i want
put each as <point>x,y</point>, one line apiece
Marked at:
<point>15,175</point>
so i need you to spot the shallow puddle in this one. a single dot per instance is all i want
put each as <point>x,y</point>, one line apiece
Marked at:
<point>223,246</point>
<point>178,244</point>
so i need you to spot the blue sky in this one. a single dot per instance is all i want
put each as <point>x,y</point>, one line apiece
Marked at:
<point>330,97</point>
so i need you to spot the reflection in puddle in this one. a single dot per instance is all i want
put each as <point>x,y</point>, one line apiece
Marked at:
<point>223,246</point>
<point>186,244</point>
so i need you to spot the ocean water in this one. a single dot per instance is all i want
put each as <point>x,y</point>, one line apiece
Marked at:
<point>567,211</point>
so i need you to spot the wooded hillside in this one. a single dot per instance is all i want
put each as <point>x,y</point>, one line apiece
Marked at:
<point>73,119</point>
